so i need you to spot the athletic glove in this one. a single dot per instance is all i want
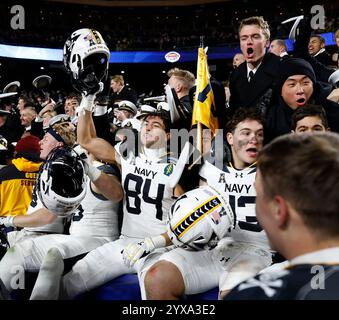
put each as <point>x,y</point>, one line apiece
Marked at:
<point>87,101</point>
<point>134,251</point>
<point>92,172</point>
<point>7,221</point>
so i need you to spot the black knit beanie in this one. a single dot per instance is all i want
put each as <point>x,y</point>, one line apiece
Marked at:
<point>293,66</point>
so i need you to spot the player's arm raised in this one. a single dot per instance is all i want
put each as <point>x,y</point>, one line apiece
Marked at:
<point>100,148</point>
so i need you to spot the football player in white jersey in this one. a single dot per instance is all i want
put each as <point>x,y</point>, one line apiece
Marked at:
<point>148,194</point>
<point>94,223</point>
<point>38,219</point>
<point>182,271</point>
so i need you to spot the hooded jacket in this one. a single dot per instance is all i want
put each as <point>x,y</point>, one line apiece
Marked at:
<point>278,119</point>
<point>16,186</point>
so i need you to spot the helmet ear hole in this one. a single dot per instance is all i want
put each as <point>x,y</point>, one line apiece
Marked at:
<point>77,58</point>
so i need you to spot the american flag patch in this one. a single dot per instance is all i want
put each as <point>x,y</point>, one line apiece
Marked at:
<point>89,37</point>
<point>215,216</point>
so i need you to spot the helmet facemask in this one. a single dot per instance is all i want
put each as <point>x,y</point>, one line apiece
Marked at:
<point>93,71</point>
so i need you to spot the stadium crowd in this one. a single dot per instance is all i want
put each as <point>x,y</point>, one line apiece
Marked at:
<point>163,28</point>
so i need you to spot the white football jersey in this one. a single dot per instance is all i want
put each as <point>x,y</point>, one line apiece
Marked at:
<point>96,216</point>
<point>237,186</point>
<point>57,226</point>
<point>147,195</point>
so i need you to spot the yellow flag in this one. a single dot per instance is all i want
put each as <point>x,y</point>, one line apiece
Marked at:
<point>204,98</point>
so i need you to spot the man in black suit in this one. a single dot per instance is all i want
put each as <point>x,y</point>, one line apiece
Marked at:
<point>252,83</point>
<point>120,91</point>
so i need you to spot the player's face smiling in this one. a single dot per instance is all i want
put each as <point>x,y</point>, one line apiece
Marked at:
<point>153,134</point>
<point>246,141</point>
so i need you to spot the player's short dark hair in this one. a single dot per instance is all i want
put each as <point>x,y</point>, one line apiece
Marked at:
<point>243,114</point>
<point>304,170</point>
<point>73,95</point>
<point>165,117</point>
<point>23,97</point>
<point>309,110</point>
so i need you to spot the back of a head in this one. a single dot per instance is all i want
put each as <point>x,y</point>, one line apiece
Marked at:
<point>304,170</point>
<point>185,76</point>
<point>281,43</point>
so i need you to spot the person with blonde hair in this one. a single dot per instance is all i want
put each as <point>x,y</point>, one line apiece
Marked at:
<point>94,222</point>
<point>180,82</point>
<point>38,220</point>
<point>238,59</point>
<point>121,91</point>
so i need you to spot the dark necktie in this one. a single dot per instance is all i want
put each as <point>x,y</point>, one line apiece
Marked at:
<point>250,76</point>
